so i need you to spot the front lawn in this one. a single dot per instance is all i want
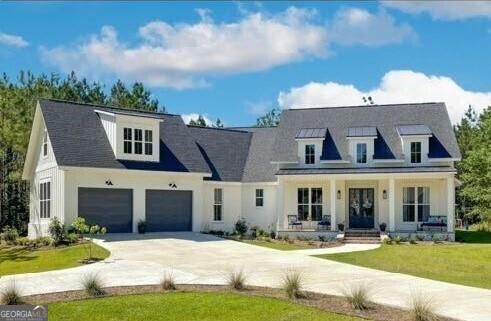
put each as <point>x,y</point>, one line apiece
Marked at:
<point>467,264</point>
<point>282,245</point>
<point>17,259</point>
<point>190,306</point>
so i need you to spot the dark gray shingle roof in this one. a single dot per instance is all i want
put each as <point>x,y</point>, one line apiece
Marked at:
<point>258,167</point>
<point>408,130</point>
<point>385,118</point>
<point>78,139</point>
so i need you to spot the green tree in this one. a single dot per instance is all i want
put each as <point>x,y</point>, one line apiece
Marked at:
<point>270,119</point>
<point>198,122</point>
<point>218,123</point>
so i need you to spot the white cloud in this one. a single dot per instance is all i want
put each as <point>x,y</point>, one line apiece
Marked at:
<point>193,116</point>
<point>12,40</point>
<point>397,86</point>
<point>444,10</point>
<point>354,26</point>
<point>179,55</point>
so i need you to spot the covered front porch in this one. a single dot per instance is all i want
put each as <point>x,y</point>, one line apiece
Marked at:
<point>395,202</point>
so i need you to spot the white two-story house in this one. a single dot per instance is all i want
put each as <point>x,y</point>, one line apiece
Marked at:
<point>362,167</point>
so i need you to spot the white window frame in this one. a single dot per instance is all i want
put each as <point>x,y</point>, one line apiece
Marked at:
<point>310,204</point>
<point>148,142</point>
<point>44,147</point>
<point>128,141</point>
<point>416,203</point>
<point>259,197</point>
<point>415,153</point>
<point>309,157</point>
<point>45,196</point>
<point>364,156</point>
<point>218,204</point>
<point>138,141</point>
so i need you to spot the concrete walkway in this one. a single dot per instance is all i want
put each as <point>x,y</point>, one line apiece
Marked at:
<point>204,259</point>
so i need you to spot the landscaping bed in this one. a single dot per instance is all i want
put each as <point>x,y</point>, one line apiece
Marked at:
<point>206,302</point>
<point>289,244</point>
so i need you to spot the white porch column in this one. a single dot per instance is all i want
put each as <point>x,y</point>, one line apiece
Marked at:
<point>333,204</point>
<point>280,203</point>
<point>392,205</point>
<point>450,204</point>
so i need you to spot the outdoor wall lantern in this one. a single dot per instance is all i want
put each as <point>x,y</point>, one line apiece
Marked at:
<point>384,194</point>
<point>109,183</point>
<point>339,194</point>
<point>172,185</point>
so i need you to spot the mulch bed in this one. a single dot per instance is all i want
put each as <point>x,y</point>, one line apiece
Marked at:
<point>324,302</point>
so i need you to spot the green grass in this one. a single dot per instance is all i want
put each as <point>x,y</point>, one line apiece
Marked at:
<point>179,306</point>
<point>15,260</point>
<point>472,236</point>
<point>467,264</point>
<point>281,245</point>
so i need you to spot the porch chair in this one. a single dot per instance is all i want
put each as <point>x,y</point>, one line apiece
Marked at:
<point>325,223</point>
<point>294,222</point>
<point>435,222</point>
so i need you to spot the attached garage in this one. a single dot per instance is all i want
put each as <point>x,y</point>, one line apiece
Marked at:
<point>169,210</point>
<point>109,207</point>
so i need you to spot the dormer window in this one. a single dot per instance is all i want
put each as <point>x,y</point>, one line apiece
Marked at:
<point>415,152</point>
<point>310,154</point>
<point>127,140</point>
<point>45,143</point>
<point>148,142</point>
<point>138,141</point>
<point>361,153</point>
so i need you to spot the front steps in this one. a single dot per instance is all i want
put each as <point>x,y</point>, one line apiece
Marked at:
<point>362,236</point>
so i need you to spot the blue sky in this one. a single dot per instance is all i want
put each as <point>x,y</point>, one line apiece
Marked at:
<point>236,60</point>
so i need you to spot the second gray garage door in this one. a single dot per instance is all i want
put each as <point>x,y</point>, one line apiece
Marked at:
<point>108,207</point>
<point>169,210</point>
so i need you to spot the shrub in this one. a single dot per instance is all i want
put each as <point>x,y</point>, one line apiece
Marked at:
<point>483,227</point>
<point>237,280</point>
<point>293,284</point>
<point>272,234</point>
<point>422,308</point>
<point>413,242</point>
<point>241,227</point>
<point>80,227</point>
<point>23,241</point>
<point>43,241</point>
<point>142,226</point>
<point>261,232</point>
<point>397,239</point>
<point>322,238</point>
<point>93,285</point>
<point>72,238</point>
<point>358,296</point>
<point>57,231</point>
<point>387,240</point>
<point>10,295</point>
<point>168,283</point>
<point>10,235</point>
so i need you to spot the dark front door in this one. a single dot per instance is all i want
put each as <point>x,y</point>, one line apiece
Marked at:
<point>169,210</point>
<point>361,208</point>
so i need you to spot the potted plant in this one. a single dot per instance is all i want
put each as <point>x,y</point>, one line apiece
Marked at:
<point>341,227</point>
<point>382,226</point>
<point>142,226</point>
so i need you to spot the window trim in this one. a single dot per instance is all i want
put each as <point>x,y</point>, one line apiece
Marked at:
<point>45,199</point>
<point>310,204</point>
<point>137,141</point>
<point>416,203</point>
<point>415,153</point>
<point>309,154</point>
<point>44,147</point>
<point>259,197</point>
<point>128,141</point>
<point>148,142</point>
<point>363,154</point>
<point>217,204</point>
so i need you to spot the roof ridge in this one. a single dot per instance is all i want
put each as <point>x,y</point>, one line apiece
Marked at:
<point>218,128</point>
<point>107,106</point>
<point>358,106</point>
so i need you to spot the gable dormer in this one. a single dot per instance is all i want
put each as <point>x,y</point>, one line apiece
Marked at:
<point>415,143</point>
<point>132,136</point>
<point>309,144</point>
<point>361,144</point>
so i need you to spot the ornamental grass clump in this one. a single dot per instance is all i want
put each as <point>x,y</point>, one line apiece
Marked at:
<point>93,285</point>
<point>358,296</point>
<point>293,284</point>
<point>422,308</point>
<point>10,295</point>
<point>237,280</point>
<point>168,282</point>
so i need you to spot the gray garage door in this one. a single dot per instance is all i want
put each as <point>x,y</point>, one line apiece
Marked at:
<point>112,208</point>
<point>169,210</point>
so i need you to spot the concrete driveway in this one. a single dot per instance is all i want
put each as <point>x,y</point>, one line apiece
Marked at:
<point>198,258</point>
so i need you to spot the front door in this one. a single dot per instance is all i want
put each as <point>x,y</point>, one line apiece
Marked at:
<point>361,208</point>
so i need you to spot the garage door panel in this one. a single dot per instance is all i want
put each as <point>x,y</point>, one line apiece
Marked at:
<point>112,208</point>
<point>168,210</point>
